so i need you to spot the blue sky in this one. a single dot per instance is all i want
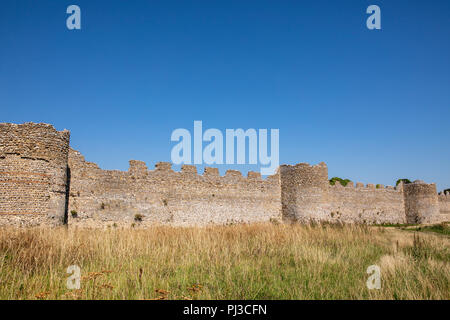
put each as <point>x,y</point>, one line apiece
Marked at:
<point>374,105</point>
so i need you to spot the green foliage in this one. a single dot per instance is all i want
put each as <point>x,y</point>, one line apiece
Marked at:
<point>405,181</point>
<point>343,182</point>
<point>74,213</point>
<point>274,221</point>
<point>442,228</point>
<point>396,225</point>
<point>138,217</point>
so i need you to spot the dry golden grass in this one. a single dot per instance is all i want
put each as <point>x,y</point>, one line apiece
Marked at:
<point>263,261</point>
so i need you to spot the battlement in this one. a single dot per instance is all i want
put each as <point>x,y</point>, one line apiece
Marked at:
<point>189,169</point>
<point>369,186</point>
<point>139,168</point>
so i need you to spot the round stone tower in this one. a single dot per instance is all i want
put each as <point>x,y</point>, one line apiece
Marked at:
<point>421,202</point>
<point>33,174</point>
<point>304,192</point>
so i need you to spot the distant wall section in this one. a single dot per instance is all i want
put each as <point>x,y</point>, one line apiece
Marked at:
<point>367,204</point>
<point>308,196</point>
<point>444,206</point>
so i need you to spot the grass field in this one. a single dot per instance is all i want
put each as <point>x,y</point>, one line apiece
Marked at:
<point>266,261</point>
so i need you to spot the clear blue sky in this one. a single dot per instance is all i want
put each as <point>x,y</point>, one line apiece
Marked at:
<point>373,105</point>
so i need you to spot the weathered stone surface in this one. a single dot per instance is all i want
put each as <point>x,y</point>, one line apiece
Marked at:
<point>368,205</point>
<point>164,196</point>
<point>42,180</point>
<point>444,206</point>
<point>421,202</point>
<point>33,174</point>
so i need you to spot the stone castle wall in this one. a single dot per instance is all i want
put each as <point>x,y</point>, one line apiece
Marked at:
<point>33,166</point>
<point>308,196</point>
<point>163,196</point>
<point>421,202</point>
<point>44,182</point>
<point>444,206</point>
<point>304,192</point>
<point>366,204</point>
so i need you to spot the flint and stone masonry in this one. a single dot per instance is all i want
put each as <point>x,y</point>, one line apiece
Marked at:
<point>33,174</point>
<point>43,182</point>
